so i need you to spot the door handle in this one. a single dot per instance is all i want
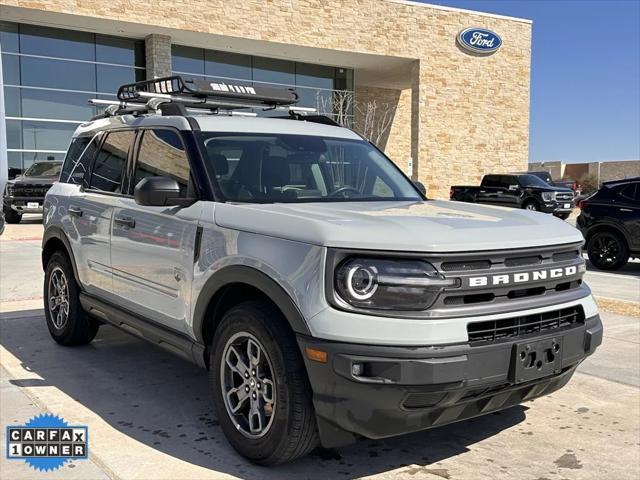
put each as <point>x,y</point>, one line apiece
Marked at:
<point>125,221</point>
<point>75,211</point>
<point>626,210</point>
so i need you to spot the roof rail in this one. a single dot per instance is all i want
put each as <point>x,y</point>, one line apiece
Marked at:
<point>208,95</point>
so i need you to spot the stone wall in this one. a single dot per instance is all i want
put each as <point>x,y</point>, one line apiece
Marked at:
<point>470,114</point>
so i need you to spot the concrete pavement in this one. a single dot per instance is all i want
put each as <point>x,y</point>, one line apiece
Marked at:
<point>149,413</point>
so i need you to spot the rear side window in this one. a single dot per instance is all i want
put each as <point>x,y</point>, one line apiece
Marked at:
<point>630,192</point>
<point>161,153</point>
<point>110,163</point>
<point>490,181</point>
<point>78,159</point>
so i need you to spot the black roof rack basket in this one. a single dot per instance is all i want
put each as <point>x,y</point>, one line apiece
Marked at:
<point>199,91</point>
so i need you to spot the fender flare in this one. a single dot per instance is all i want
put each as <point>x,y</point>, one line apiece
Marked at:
<point>59,234</point>
<point>255,278</point>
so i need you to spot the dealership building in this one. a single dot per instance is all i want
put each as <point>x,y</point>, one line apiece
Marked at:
<point>395,70</point>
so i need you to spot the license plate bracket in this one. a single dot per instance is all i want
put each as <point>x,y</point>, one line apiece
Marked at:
<point>567,205</point>
<point>536,359</point>
<point>33,204</point>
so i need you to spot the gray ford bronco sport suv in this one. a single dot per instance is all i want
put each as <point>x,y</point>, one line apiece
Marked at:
<point>326,295</point>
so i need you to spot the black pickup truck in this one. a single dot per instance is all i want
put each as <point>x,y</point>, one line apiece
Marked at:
<point>25,194</point>
<point>517,191</point>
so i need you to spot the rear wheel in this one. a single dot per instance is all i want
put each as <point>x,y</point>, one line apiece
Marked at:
<point>608,251</point>
<point>68,323</point>
<point>259,386</point>
<point>11,216</point>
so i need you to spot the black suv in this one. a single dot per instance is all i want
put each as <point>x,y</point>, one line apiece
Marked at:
<point>610,223</point>
<point>25,194</point>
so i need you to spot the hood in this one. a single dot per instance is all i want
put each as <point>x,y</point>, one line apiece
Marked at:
<point>550,188</point>
<point>33,180</point>
<point>431,226</point>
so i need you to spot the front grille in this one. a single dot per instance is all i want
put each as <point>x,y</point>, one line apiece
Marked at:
<point>30,190</point>
<point>564,197</point>
<point>523,326</point>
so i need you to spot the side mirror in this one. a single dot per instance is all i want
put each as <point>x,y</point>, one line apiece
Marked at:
<point>421,188</point>
<point>514,188</point>
<point>158,192</point>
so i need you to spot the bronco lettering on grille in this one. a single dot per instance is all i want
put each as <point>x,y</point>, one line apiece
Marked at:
<point>522,277</point>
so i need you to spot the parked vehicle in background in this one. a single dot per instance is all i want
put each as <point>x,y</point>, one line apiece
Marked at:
<point>517,191</point>
<point>1,222</point>
<point>25,194</point>
<point>610,223</point>
<point>329,299</point>
<point>546,176</point>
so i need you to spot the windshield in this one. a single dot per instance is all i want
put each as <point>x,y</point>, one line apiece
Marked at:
<point>532,181</point>
<point>267,168</point>
<point>44,169</point>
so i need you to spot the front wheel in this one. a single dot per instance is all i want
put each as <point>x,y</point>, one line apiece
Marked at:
<point>531,205</point>
<point>259,386</point>
<point>11,216</point>
<point>68,323</point>
<point>607,251</point>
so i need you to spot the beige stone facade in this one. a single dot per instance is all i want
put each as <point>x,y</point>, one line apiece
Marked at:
<point>458,116</point>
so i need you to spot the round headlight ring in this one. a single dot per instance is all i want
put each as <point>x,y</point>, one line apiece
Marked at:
<point>361,282</point>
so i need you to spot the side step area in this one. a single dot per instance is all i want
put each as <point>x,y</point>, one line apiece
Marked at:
<point>166,338</point>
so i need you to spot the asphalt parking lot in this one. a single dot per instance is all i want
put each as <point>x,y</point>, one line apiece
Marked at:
<point>149,415</point>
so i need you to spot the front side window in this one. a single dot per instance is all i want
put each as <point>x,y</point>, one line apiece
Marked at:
<point>161,153</point>
<point>532,181</point>
<point>110,162</point>
<point>267,168</point>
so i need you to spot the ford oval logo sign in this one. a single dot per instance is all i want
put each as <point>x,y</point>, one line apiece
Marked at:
<point>479,40</point>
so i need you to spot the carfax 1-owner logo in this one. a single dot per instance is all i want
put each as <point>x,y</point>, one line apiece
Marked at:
<point>46,442</point>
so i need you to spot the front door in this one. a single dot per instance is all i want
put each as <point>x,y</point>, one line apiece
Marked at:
<point>152,247</point>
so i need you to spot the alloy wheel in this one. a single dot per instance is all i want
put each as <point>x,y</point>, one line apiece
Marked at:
<point>248,388</point>
<point>606,249</point>
<point>58,298</point>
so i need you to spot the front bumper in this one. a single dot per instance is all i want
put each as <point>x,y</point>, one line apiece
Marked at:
<point>21,204</point>
<point>406,389</point>
<point>558,207</point>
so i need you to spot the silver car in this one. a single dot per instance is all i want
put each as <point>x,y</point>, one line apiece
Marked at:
<point>328,298</point>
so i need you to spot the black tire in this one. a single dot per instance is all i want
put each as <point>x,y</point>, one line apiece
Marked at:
<point>11,216</point>
<point>78,328</point>
<point>607,250</point>
<point>563,216</point>
<point>291,430</point>
<point>531,205</point>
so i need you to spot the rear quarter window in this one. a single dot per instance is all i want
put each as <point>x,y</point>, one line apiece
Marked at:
<point>78,160</point>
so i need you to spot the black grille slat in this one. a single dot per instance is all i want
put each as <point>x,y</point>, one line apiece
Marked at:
<point>492,330</point>
<point>30,190</point>
<point>465,266</point>
<point>523,261</point>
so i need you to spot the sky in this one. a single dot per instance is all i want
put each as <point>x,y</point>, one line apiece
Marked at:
<point>585,76</point>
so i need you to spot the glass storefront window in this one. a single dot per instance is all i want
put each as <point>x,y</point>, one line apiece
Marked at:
<point>9,37</point>
<point>59,74</point>
<point>121,51</point>
<point>54,42</point>
<point>46,135</point>
<point>227,65</point>
<point>49,75</point>
<point>110,78</point>
<point>187,59</point>
<point>274,70</point>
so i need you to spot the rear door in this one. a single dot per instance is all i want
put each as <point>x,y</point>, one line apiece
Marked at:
<point>495,190</point>
<point>152,248</point>
<point>92,208</point>
<point>627,209</point>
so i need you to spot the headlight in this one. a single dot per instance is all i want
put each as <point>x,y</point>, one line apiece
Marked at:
<point>548,196</point>
<point>381,284</point>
